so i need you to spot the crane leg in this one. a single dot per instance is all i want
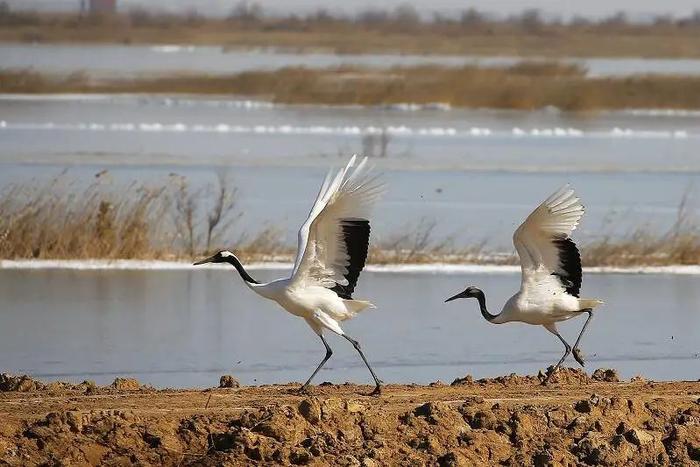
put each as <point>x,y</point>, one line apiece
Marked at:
<point>329,352</point>
<point>566,354</point>
<point>576,352</point>
<point>377,381</point>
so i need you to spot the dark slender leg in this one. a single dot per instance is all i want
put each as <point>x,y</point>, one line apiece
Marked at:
<point>566,354</point>
<point>329,352</point>
<point>377,381</point>
<point>576,352</point>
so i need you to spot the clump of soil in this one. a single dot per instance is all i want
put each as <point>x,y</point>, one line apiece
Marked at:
<point>606,374</point>
<point>19,383</point>
<point>126,384</point>
<point>467,380</point>
<point>565,376</point>
<point>228,381</point>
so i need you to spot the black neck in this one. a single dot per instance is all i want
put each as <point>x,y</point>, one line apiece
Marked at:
<point>482,305</point>
<point>233,261</point>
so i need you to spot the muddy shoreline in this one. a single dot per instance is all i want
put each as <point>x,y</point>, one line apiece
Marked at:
<point>511,420</point>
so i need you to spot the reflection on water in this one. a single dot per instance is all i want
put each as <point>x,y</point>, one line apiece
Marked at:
<point>186,328</point>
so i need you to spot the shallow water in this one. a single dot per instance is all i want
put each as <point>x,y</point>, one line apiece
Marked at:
<point>630,168</point>
<point>186,328</point>
<point>208,131</point>
<point>133,60</point>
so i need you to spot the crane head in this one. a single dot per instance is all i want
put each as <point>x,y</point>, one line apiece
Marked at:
<point>220,257</point>
<point>469,292</point>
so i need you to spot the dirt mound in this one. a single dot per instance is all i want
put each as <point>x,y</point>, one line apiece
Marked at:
<point>228,381</point>
<point>563,375</point>
<point>19,383</point>
<point>466,381</point>
<point>605,374</point>
<point>126,384</point>
<point>566,376</point>
<point>509,420</point>
<point>24,383</point>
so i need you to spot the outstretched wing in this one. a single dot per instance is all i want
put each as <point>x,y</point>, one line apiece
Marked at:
<point>543,242</point>
<point>334,240</point>
<point>356,238</point>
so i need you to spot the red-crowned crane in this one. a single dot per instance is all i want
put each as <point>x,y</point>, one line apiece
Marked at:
<point>551,272</point>
<point>332,249</point>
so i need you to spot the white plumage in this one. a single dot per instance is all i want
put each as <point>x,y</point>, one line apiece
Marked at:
<point>332,249</point>
<point>551,271</point>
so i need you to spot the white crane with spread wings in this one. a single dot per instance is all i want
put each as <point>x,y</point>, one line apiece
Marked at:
<point>551,272</point>
<point>332,250</point>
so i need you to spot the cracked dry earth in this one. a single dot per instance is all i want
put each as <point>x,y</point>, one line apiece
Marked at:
<point>512,420</point>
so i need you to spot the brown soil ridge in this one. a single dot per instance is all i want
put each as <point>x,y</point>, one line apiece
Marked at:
<point>510,420</point>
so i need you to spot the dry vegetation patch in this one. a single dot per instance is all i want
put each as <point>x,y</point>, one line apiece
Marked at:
<point>173,221</point>
<point>524,86</point>
<point>64,221</point>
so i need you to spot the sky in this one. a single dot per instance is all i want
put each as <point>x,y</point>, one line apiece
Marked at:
<point>563,8</point>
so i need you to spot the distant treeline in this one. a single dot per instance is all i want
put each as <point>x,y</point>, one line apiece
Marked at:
<point>399,30</point>
<point>403,18</point>
<point>406,18</point>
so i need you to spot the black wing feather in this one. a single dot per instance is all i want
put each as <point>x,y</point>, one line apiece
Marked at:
<point>356,238</point>
<point>570,264</point>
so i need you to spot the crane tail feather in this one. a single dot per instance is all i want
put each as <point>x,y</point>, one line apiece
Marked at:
<point>356,306</point>
<point>589,302</point>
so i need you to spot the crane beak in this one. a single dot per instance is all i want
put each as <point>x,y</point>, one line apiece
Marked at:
<point>205,261</point>
<point>455,297</point>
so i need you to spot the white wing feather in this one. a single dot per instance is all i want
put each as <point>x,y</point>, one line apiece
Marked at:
<point>322,258</point>
<point>556,217</point>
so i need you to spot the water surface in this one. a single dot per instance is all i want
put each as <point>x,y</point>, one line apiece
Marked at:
<point>475,174</point>
<point>133,60</point>
<point>222,131</point>
<point>186,328</point>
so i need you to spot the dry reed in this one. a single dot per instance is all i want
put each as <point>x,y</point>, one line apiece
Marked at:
<point>526,86</point>
<point>64,221</point>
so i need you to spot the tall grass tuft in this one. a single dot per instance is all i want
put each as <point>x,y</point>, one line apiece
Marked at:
<point>53,222</point>
<point>64,221</point>
<point>680,244</point>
